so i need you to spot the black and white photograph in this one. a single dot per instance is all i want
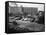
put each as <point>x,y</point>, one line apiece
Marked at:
<point>24,17</point>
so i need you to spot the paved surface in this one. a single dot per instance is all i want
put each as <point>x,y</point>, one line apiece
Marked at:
<point>31,25</point>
